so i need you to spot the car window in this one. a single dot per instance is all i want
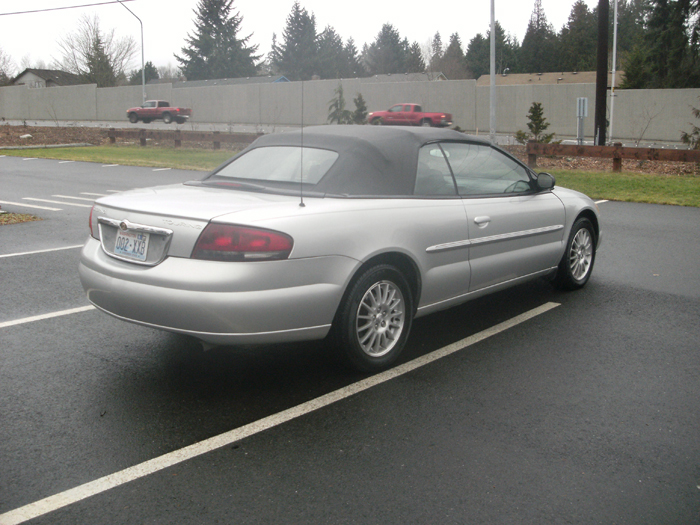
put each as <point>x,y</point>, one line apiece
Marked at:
<point>417,109</point>
<point>149,105</point>
<point>433,175</point>
<point>482,170</point>
<point>407,108</point>
<point>280,164</point>
<point>394,109</point>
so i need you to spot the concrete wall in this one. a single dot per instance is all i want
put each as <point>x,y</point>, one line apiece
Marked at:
<point>654,115</point>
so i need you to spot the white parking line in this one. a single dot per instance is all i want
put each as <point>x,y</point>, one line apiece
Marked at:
<point>109,165</point>
<point>57,202</point>
<point>42,251</point>
<point>41,318</point>
<point>30,158</point>
<point>95,194</point>
<point>162,169</point>
<point>30,206</point>
<point>69,197</point>
<point>65,161</point>
<point>600,202</point>
<point>63,499</point>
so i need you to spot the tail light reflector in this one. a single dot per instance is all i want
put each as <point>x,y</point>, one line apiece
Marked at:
<point>224,242</point>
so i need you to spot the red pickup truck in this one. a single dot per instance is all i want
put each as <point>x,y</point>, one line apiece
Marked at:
<point>158,109</point>
<point>409,115</point>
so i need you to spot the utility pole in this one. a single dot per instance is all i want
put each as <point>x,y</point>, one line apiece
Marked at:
<point>492,105</point>
<point>601,89</point>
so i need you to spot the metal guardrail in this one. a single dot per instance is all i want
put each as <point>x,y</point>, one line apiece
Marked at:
<point>178,136</point>
<point>615,152</point>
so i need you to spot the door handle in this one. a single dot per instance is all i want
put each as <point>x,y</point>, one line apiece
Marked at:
<point>482,220</point>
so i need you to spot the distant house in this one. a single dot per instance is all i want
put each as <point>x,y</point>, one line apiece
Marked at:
<point>272,79</point>
<point>406,77</point>
<point>40,78</point>
<point>575,77</point>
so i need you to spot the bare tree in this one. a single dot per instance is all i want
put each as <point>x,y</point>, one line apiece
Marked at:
<point>7,68</point>
<point>98,56</point>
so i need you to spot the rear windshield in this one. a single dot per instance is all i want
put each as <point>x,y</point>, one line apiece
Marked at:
<point>280,164</point>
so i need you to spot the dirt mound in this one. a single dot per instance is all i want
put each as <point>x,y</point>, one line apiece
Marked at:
<point>44,136</point>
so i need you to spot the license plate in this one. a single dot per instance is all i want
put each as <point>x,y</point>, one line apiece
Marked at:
<point>132,245</point>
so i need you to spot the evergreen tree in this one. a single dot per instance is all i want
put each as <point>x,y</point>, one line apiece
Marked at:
<point>453,62</point>
<point>478,56</point>
<point>359,116</point>
<point>331,55</point>
<point>215,50</point>
<point>578,40</point>
<point>353,64</point>
<point>151,73</point>
<point>336,109</point>
<point>414,59</point>
<point>297,56</point>
<point>436,54</point>
<point>99,68</point>
<point>538,50</point>
<point>387,54</point>
<point>537,125</point>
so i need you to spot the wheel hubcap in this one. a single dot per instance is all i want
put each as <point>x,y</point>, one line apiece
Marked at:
<point>380,318</point>
<point>581,254</point>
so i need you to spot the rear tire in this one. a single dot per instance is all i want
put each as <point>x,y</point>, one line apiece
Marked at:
<point>372,324</point>
<point>167,118</point>
<point>576,264</point>
<point>133,118</point>
<point>426,123</point>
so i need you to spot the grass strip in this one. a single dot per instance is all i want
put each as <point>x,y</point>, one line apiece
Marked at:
<point>151,156</point>
<point>676,190</point>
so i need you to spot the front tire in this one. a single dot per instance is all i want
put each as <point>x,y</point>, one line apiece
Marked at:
<point>133,118</point>
<point>378,122</point>
<point>576,264</point>
<point>374,321</point>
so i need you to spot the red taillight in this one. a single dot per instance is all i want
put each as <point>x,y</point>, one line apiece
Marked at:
<point>223,242</point>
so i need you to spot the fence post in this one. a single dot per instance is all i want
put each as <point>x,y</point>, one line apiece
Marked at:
<point>112,136</point>
<point>617,158</point>
<point>142,137</point>
<point>531,156</point>
<point>178,139</point>
<point>217,144</point>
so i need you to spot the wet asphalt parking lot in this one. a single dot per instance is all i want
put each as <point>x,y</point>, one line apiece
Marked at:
<point>554,408</point>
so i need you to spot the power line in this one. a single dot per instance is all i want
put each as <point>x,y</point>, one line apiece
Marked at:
<point>61,8</point>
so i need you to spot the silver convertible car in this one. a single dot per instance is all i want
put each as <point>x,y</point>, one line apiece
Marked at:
<point>349,232</point>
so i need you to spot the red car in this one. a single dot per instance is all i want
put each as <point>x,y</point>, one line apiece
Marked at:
<point>158,109</point>
<point>409,115</point>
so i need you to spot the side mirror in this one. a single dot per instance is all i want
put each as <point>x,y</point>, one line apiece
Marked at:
<point>545,181</point>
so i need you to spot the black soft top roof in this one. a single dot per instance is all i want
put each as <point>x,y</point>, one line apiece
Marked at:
<point>372,160</point>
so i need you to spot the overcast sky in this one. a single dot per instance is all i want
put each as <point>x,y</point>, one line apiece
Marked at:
<point>167,22</point>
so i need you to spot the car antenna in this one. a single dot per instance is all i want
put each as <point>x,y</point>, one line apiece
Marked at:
<point>301,170</point>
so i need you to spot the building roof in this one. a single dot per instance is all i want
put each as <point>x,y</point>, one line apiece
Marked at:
<point>576,77</point>
<point>231,81</point>
<point>405,77</point>
<point>52,77</point>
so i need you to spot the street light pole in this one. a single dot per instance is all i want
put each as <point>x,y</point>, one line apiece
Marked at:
<point>143,65</point>
<point>492,105</point>
<point>614,67</point>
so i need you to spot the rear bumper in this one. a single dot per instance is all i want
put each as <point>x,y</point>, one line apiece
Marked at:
<point>220,303</point>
